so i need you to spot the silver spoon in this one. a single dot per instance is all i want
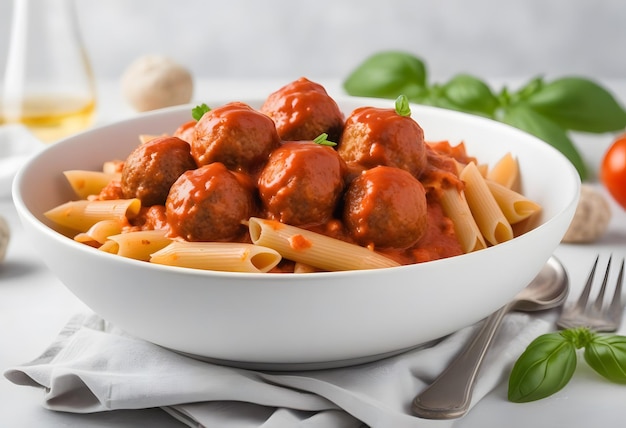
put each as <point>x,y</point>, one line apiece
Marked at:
<point>449,396</point>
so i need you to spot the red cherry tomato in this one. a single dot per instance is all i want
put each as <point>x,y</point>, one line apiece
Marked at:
<point>613,170</point>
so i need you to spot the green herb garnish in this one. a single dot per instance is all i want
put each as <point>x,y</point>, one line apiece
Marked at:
<point>549,362</point>
<point>402,106</point>
<point>198,111</point>
<point>548,110</point>
<point>322,140</point>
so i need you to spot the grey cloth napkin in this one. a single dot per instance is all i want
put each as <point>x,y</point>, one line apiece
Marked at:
<point>93,367</point>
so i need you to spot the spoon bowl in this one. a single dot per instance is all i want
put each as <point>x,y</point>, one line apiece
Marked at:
<point>547,290</point>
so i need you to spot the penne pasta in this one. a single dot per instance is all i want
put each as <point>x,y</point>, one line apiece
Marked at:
<point>455,206</point>
<point>137,245</point>
<point>515,206</point>
<point>144,138</point>
<point>82,214</point>
<point>220,256</point>
<point>505,172</point>
<point>113,167</point>
<point>85,183</point>
<point>483,168</point>
<point>489,217</point>
<point>304,268</point>
<point>100,231</point>
<point>320,251</point>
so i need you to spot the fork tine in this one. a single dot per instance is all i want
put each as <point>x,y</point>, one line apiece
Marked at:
<point>616,309</point>
<point>584,296</point>
<point>595,315</point>
<point>600,298</point>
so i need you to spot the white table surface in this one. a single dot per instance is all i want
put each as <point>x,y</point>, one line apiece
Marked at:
<point>34,305</point>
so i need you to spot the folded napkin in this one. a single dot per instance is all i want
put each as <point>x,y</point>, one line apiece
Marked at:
<point>17,143</point>
<point>94,366</point>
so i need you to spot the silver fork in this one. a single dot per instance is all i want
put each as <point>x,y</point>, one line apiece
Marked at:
<point>594,316</point>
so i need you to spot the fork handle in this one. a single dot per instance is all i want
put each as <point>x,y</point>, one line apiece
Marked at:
<point>450,395</point>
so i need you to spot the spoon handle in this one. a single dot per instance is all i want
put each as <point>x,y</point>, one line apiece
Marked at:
<point>450,395</point>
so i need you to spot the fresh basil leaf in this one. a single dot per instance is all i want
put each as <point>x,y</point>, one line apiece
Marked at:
<point>402,106</point>
<point>523,117</point>
<point>434,96</point>
<point>388,75</point>
<point>533,86</point>
<point>544,368</point>
<point>607,356</point>
<point>578,104</point>
<point>471,95</point>
<point>198,111</point>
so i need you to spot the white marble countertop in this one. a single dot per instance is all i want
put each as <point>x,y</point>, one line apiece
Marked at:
<point>34,305</point>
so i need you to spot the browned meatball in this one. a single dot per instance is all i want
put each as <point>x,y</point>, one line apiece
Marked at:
<point>236,135</point>
<point>152,168</point>
<point>301,183</point>
<point>376,136</point>
<point>185,131</point>
<point>208,204</point>
<point>303,110</point>
<point>386,206</point>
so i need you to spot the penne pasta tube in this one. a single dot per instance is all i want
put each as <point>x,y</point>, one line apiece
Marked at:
<point>505,172</point>
<point>85,183</point>
<point>81,215</point>
<point>303,268</point>
<point>113,167</point>
<point>100,231</point>
<point>320,251</point>
<point>455,206</point>
<point>483,168</point>
<point>109,247</point>
<point>137,245</point>
<point>144,138</point>
<point>489,217</point>
<point>221,256</point>
<point>515,206</point>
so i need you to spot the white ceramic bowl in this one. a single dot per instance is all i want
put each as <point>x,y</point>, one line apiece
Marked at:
<point>298,320</point>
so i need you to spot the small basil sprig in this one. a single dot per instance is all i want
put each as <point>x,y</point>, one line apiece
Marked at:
<point>323,140</point>
<point>548,110</point>
<point>402,106</point>
<point>549,362</point>
<point>198,111</point>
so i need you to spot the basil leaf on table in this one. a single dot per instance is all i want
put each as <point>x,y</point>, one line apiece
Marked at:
<point>607,356</point>
<point>470,94</point>
<point>578,104</point>
<point>548,363</point>
<point>523,117</point>
<point>388,75</point>
<point>544,368</point>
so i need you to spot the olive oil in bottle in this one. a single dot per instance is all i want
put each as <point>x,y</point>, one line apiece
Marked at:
<point>49,85</point>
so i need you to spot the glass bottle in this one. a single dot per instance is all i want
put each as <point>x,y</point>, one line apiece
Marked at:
<point>49,85</point>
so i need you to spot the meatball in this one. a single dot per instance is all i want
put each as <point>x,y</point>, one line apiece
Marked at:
<point>376,136</point>
<point>236,135</point>
<point>302,110</point>
<point>301,183</point>
<point>185,131</point>
<point>387,207</point>
<point>208,204</point>
<point>152,168</point>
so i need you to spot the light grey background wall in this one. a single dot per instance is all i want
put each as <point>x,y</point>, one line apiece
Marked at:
<point>328,38</point>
